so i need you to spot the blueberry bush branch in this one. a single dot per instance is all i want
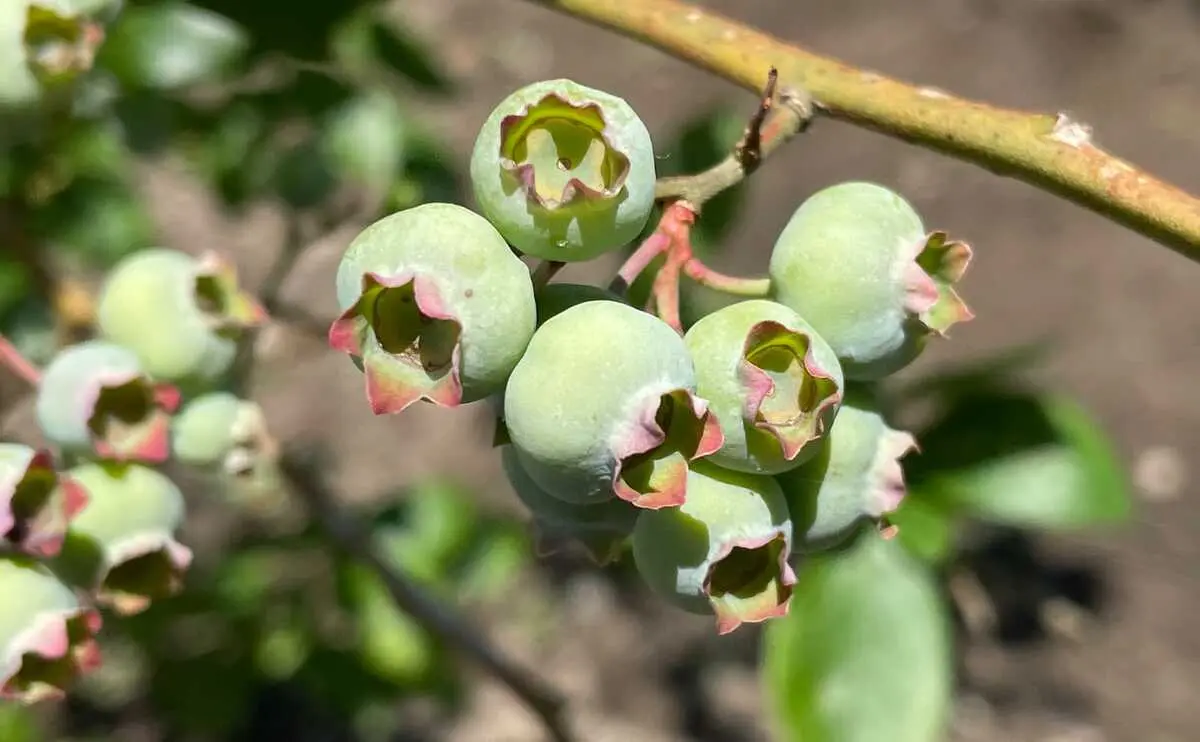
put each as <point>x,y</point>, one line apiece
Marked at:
<point>779,115</point>
<point>1051,151</point>
<point>350,537</point>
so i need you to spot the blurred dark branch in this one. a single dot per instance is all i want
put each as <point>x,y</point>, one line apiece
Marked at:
<point>1050,151</point>
<point>303,477</point>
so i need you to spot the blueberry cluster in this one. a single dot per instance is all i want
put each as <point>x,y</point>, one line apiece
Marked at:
<point>90,522</point>
<point>718,455</point>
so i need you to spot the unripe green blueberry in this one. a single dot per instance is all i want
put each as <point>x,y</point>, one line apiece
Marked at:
<point>435,306</point>
<point>856,262</point>
<point>555,298</point>
<point>44,44</point>
<point>724,551</point>
<point>95,399</point>
<point>772,381</point>
<point>603,403</point>
<point>122,545</point>
<point>180,314</point>
<point>47,636</point>
<point>564,171</point>
<point>223,431</point>
<point>856,477</point>
<point>602,528</point>
<point>36,502</point>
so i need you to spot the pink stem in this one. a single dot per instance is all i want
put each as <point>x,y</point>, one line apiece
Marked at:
<point>754,288</point>
<point>642,257</point>
<point>17,363</point>
<point>665,293</point>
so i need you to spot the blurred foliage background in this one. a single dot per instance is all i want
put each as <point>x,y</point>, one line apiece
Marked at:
<point>307,106</point>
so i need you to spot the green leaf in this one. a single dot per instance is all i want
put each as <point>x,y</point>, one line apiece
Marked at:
<point>864,653</point>
<point>171,45</point>
<point>925,529</point>
<point>100,221</point>
<point>390,642</point>
<point>364,139</point>
<point>1022,459</point>
<point>15,284</point>
<point>407,55</point>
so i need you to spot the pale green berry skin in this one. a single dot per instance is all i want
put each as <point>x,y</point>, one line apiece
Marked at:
<point>577,231</point>
<point>62,413</point>
<point>716,342</point>
<point>612,516</point>
<point>856,478</point>
<point>148,304</point>
<point>840,263</point>
<point>23,96</point>
<point>28,590</point>
<point>133,510</point>
<point>19,88</point>
<point>675,548</point>
<point>31,598</point>
<point>480,281</point>
<point>555,298</point>
<point>575,389</point>
<point>205,430</point>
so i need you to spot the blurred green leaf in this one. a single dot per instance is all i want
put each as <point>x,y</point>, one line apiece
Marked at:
<point>209,693</point>
<point>864,653</point>
<point>926,530</point>
<point>404,53</point>
<point>100,221</point>
<point>15,284</point>
<point>364,139</point>
<point>390,642</point>
<point>997,371</point>
<point>95,149</point>
<point>1022,459</point>
<point>171,45</point>
<point>495,563</point>
<point>282,648</point>
<point>304,176</point>
<point>17,724</point>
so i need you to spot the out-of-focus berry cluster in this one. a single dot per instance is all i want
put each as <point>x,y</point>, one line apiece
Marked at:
<point>720,456</point>
<point>90,522</point>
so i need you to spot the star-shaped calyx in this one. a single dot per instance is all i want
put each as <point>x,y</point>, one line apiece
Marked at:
<point>653,451</point>
<point>560,155</point>
<point>407,340</point>
<point>789,395</point>
<point>36,502</point>
<point>936,265</point>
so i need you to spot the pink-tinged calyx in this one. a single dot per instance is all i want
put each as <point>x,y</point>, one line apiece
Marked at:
<point>129,417</point>
<point>37,504</point>
<point>788,394</point>
<point>653,451</point>
<point>59,47</point>
<point>559,153</point>
<point>42,661</point>
<point>227,308</point>
<point>885,480</point>
<point>141,570</point>
<point>936,265</point>
<point>750,581</point>
<point>408,340</point>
